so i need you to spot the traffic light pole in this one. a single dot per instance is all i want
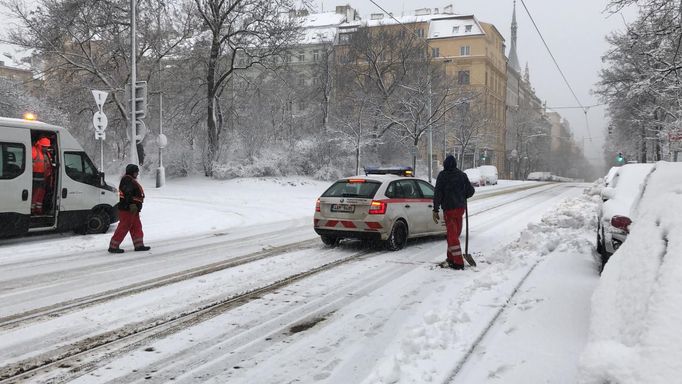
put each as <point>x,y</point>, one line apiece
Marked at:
<point>133,81</point>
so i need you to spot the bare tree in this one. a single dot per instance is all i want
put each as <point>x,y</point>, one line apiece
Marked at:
<point>253,29</point>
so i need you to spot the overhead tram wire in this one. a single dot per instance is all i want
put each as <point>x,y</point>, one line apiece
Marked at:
<point>585,109</point>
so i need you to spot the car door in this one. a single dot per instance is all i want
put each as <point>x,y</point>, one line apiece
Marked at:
<point>427,192</point>
<point>413,205</point>
<point>16,177</point>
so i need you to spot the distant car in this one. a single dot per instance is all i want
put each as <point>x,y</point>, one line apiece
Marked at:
<point>539,176</point>
<point>381,205</point>
<point>475,177</point>
<point>619,201</point>
<point>489,173</point>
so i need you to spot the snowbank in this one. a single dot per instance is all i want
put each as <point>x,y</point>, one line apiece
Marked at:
<point>635,326</point>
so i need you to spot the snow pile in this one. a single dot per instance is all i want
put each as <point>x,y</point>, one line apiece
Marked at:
<point>635,326</point>
<point>430,349</point>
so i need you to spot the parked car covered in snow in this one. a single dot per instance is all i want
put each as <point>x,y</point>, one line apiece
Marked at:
<point>489,173</point>
<point>619,201</point>
<point>475,177</point>
<point>609,176</point>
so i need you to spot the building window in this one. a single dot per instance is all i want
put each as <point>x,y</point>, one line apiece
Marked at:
<point>301,81</point>
<point>301,56</point>
<point>401,33</point>
<point>455,30</point>
<point>344,38</point>
<point>467,28</point>
<point>419,32</point>
<point>464,50</point>
<point>435,52</point>
<point>316,55</point>
<point>463,77</point>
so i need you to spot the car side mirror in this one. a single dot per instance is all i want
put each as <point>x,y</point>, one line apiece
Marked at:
<point>101,179</point>
<point>608,193</point>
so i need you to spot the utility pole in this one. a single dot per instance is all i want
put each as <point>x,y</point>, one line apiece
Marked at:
<point>428,121</point>
<point>133,82</point>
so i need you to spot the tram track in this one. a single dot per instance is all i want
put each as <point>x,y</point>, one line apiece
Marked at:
<point>119,338</point>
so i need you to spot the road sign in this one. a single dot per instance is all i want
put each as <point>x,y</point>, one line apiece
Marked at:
<point>162,140</point>
<point>100,98</point>
<point>100,136</point>
<point>100,121</point>
<point>140,131</point>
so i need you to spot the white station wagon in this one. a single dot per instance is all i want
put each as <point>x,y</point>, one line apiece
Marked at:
<point>385,204</point>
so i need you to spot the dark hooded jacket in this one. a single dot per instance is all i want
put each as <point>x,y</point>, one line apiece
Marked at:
<point>452,187</point>
<point>129,190</point>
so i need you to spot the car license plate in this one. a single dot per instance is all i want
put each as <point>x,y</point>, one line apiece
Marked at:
<point>347,208</point>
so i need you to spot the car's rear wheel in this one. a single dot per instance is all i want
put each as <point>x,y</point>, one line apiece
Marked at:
<point>330,241</point>
<point>398,237</point>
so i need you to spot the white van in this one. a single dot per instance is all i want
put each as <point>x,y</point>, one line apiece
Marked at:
<point>76,196</point>
<point>489,173</point>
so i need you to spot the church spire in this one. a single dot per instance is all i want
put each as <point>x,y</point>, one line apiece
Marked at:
<point>513,57</point>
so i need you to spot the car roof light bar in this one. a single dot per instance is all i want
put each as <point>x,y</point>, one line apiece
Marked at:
<point>400,171</point>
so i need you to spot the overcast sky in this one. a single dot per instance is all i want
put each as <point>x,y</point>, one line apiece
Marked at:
<point>575,32</point>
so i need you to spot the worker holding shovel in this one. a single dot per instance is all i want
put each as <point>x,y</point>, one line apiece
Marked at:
<point>452,191</point>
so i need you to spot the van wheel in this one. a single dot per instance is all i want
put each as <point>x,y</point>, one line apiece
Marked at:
<point>398,237</point>
<point>330,241</point>
<point>98,222</point>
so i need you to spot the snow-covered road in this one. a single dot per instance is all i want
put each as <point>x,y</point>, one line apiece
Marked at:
<point>375,316</point>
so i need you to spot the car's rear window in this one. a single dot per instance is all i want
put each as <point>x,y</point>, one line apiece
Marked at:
<point>346,188</point>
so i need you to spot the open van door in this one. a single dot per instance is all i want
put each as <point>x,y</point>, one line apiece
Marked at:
<point>16,176</point>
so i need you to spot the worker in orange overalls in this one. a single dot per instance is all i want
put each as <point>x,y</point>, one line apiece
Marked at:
<point>42,170</point>
<point>131,197</point>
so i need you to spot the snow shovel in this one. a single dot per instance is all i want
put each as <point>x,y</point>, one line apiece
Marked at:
<point>467,256</point>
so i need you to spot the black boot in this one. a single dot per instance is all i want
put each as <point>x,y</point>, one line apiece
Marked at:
<point>115,250</point>
<point>142,248</point>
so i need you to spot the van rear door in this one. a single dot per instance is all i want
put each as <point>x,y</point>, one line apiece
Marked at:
<point>16,177</point>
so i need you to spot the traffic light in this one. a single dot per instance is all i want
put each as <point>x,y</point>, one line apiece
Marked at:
<point>620,159</point>
<point>140,100</point>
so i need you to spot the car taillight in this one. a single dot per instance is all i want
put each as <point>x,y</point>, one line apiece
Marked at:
<point>621,222</point>
<point>377,207</point>
<point>317,206</point>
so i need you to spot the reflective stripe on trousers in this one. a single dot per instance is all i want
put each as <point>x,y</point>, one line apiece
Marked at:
<point>453,225</point>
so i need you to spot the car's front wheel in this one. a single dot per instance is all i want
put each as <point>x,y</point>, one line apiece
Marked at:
<point>398,237</point>
<point>330,241</point>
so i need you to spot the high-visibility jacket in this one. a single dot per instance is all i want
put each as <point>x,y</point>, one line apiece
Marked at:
<point>42,164</point>
<point>130,192</point>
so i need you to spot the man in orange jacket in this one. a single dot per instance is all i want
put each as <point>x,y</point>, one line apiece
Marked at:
<point>42,172</point>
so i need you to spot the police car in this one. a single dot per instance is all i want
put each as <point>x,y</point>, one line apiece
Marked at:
<point>386,204</point>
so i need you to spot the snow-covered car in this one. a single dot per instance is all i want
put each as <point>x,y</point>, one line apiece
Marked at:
<point>619,201</point>
<point>475,177</point>
<point>489,173</point>
<point>375,206</point>
<point>609,176</point>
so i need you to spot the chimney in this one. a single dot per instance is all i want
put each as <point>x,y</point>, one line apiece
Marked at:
<point>422,11</point>
<point>435,11</point>
<point>448,10</point>
<point>376,16</point>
